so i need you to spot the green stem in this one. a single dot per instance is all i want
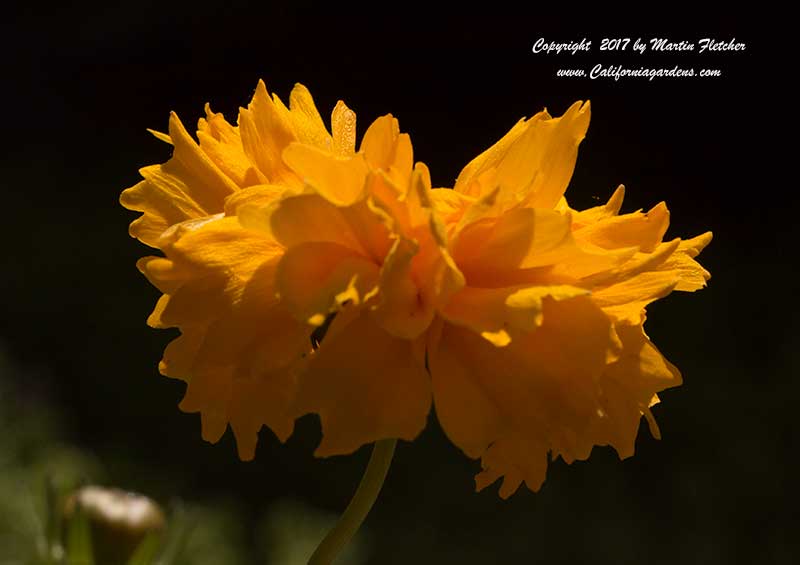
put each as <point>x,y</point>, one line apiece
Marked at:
<point>359,506</point>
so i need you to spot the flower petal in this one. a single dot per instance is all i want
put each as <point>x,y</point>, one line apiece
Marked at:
<point>265,133</point>
<point>223,145</point>
<point>493,312</point>
<point>636,264</point>
<point>535,394</point>
<point>312,218</point>
<point>607,210</point>
<point>691,275</point>
<point>516,459</point>
<point>259,196</point>
<point>418,275</point>
<point>308,125</point>
<point>522,238</point>
<point>466,410</point>
<point>402,309</point>
<point>643,230</point>
<point>239,348</point>
<point>625,301</point>
<point>343,128</point>
<point>491,158</point>
<point>366,385</point>
<point>340,181</point>
<point>536,157</point>
<point>187,186</point>
<point>450,205</point>
<point>628,387</point>
<point>317,278</point>
<point>385,148</point>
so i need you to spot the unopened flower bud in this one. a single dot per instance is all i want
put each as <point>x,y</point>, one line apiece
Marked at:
<point>119,521</point>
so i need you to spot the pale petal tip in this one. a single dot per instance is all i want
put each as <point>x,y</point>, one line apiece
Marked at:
<point>651,423</point>
<point>299,88</point>
<point>704,239</point>
<point>260,92</point>
<point>614,203</point>
<point>160,136</point>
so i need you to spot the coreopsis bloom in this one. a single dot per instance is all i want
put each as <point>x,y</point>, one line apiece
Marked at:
<point>517,317</point>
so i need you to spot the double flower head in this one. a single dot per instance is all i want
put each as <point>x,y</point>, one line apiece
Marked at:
<point>517,318</point>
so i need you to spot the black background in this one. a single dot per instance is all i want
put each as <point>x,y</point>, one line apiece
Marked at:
<point>84,84</point>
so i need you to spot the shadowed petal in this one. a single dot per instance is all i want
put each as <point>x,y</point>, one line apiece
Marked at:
<point>366,385</point>
<point>318,278</point>
<point>535,394</point>
<point>239,349</point>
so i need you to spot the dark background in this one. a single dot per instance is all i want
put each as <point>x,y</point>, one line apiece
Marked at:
<point>84,85</point>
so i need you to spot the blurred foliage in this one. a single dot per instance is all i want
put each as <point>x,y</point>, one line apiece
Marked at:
<point>38,471</point>
<point>291,530</point>
<point>34,467</point>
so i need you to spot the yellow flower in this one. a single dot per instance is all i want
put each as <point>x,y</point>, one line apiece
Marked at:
<point>517,317</point>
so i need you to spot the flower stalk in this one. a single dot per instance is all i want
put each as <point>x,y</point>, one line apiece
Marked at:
<point>360,505</point>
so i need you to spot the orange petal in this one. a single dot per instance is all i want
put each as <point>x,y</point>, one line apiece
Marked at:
<point>340,181</point>
<point>535,160</point>
<point>691,275</point>
<point>628,388</point>
<point>637,229</point>
<point>490,159</point>
<point>312,218</point>
<point>265,133</point>
<point>535,394</point>
<point>522,238</point>
<point>317,278</point>
<point>418,275</point>
<point>401,311</point>
<point>209,393</point>
<point>366,385</point>
<point>308,125</point>
<point>450,205</point>
<point>240,348</point>
<point>494,312</point>
<point>258,196</point>
<point>625,301</point>
<point>223,145</point>
<point>547,155</point>
<point>607,210</point>
<point>516,460</point>
<point>187,186</point>
<point>636,264</point>
<point>385,148</point>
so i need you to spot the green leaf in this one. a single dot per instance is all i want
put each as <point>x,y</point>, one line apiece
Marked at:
<point>79,541</point>
<point>146,551</point>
